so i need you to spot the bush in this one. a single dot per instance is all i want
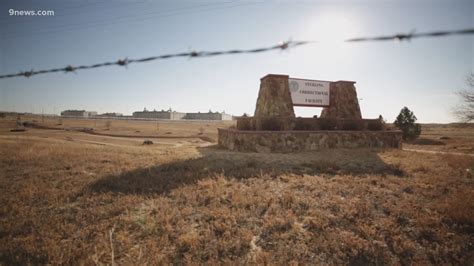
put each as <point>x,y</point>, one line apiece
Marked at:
<point>350,125</point>
<point>27,124</point>
<point>147,142</point>
<point>244,123</point>
<point>375,125</point>
<point>305,124</point>
<point>406,123</point>
<point>271,123</point>
<point>327,123</point>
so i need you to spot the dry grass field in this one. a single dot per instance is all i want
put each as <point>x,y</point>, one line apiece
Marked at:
<point>136,128</point>
<point>453,138</point>
<point>69,197</point>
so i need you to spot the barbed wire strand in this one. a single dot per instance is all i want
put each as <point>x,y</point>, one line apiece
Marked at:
<point>195,54</point>
<point>412,35</point>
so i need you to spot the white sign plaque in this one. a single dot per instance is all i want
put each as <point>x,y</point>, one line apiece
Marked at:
<point>307,92</point>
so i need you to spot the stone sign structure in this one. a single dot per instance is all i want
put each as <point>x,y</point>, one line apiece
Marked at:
<point>344,102</point>
<point>274,127</point>
<point>274,103</point>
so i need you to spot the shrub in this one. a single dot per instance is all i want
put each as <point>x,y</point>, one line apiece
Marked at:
<point>406,123</point>
<point>375,125</point>
<point>305,124</point>
<point>350,125</point>
<point>27,124</point>
<point>244,123</point>
<point>327,123</point>
<point>270,123</point>
<point>147,142</point>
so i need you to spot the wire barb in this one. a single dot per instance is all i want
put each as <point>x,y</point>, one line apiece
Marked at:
<point>122,62</point>
<point>70,68</point>
<point>281,46</point>
<point>27,73</point>
<point>194,54</point>
<point>284,45</point>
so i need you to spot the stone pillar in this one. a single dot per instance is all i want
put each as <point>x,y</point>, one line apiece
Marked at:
<point>274,109</point>
<point>343,101</point>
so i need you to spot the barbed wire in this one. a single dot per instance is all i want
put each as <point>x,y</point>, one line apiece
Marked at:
<point>126,61</point>
<point>195,54</point>
<point>412,35</point>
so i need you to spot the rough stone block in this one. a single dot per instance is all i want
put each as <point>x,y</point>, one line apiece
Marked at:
<point>344,103</point>
<point>274,102</point>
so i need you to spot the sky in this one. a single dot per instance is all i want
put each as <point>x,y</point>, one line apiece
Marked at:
<point>422,74</point>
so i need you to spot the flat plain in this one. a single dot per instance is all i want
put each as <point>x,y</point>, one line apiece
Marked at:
<point>69,195</point>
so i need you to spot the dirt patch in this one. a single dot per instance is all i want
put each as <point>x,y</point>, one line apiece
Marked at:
<point>423,141</point>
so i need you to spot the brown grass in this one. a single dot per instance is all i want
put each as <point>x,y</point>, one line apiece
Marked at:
<point>460,209</point>
<point>457,138</point>
<point>71,198</point>
<point>131,127</point>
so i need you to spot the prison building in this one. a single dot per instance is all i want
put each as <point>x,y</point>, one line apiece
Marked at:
<point>171,115</point>
<point>110,115</point>
<point>78,113</point>
<point>208,116</point>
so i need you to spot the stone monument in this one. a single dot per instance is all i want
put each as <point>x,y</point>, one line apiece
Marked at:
<point>274,127</point>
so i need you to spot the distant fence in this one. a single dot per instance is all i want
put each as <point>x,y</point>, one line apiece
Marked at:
<point>130,118</point>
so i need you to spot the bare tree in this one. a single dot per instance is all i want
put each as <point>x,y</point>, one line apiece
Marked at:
<point>465,110</point>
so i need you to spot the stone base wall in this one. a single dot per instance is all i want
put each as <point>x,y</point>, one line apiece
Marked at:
<point>293,141</point>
